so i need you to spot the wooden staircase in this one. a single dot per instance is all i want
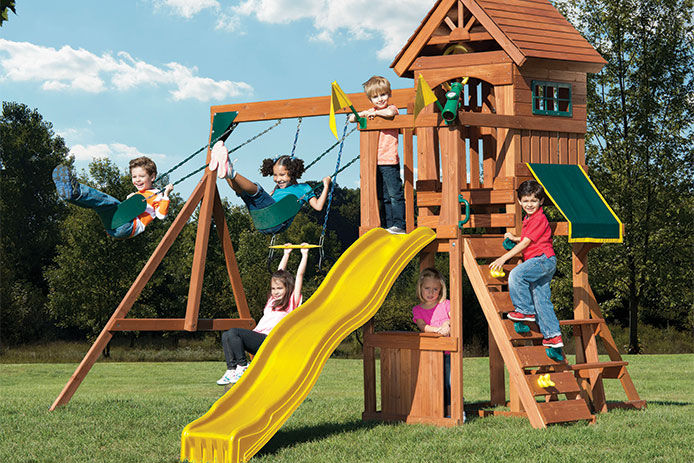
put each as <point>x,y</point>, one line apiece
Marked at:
<point>578,391</point>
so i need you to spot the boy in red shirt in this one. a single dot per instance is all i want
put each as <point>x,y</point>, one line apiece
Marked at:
<point>528,282</point>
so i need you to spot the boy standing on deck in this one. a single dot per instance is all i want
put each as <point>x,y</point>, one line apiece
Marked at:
<point>528,282</point>
<point>388,181</point>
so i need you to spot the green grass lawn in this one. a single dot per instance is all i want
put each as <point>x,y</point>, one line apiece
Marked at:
<point>134,412</point>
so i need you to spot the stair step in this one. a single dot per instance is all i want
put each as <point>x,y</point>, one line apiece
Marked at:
<point>609,370</point>
<point>502,301</point>
<point>536,356</point>
<point>486,246</point>
<point>534,332</point>
<point>561,411</point>
<point>564,383</point>
<point>492,281</point>
<point>591,321</point>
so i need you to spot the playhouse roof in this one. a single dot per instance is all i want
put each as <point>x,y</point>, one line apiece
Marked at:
<point>522,28</point>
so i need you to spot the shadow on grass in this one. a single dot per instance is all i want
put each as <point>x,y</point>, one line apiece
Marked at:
<point>667,402</point>
<point>321,431</point>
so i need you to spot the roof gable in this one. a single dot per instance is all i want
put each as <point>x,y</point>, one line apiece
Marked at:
<point>522,28</point>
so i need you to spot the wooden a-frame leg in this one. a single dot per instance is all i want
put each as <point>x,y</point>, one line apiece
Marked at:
<point>130,298</point>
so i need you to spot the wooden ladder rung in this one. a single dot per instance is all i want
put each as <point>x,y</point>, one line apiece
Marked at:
<point>534,332</point>
<point>564,382</point>
<point>502,301</point>
<point>599,365</point>
<point>561,411</point>
<point>590,321</point>
<point>535,356</point>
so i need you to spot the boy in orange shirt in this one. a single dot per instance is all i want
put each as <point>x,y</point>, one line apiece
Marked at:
<point>143,171</point>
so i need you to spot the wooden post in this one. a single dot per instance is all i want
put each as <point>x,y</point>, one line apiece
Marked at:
<point>452,152</point>
<point>369,373</point>
<point>408,170</point>
<point>201,239</point>
<point>586,345</point>
<point>368,149</point>
<point>497,383</point>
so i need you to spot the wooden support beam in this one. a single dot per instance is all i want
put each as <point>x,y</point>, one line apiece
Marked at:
<point>305,107</point>
<point>130,297</point>
<point>368,149</point>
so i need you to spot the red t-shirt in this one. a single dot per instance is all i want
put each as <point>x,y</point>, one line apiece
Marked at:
<point>536,229</point>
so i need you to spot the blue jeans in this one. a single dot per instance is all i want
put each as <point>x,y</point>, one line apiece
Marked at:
<point>528,284</point>
<point>102,203</point>
<point>391,195</point>
<point>260,200</point>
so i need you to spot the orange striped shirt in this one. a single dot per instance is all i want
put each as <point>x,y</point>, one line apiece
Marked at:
<point>157,207</point>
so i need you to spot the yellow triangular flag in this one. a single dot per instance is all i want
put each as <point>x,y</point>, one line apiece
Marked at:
<point>424,96</point>
<point>338,100</point>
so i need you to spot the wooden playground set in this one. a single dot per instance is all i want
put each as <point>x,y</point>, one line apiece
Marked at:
<point>522,109</point>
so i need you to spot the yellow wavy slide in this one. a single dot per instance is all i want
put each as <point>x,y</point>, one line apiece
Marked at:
<point>290,360</point>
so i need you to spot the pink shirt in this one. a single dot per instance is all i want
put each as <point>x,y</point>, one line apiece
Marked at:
<point>536,228</point>
<point>273,317</point>
<point>388,144</point>
<point>435,317</point>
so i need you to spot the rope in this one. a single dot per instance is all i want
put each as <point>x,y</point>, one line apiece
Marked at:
<point>330,196</point>
<point>296,137</point>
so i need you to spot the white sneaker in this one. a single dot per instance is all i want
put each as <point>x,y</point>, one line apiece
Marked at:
<point>227,378</point>
<point>396,230</point>
<point>219,161</point>
<point>238,373</point>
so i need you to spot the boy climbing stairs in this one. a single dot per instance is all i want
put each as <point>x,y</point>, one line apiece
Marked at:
<point>571,392</point>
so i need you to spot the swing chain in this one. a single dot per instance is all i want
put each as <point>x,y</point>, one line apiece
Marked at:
<point>296,137</point>
<point>279,121</point>
<point>330,193</point>
<point>320,156</point>
<point>271,254</point>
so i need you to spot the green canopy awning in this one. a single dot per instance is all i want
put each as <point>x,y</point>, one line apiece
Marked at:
<point>590,217</point>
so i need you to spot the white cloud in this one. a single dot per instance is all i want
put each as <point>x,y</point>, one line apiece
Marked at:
<point>109,150</point>
<point>333,20</point>
<point>340,20</point>
<point>186,8</point>
<point>81,70</point>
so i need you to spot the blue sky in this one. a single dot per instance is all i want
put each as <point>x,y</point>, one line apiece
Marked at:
<point>128,78</point>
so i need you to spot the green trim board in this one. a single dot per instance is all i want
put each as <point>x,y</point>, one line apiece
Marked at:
<point>591,220</point>
<point>221,122</point>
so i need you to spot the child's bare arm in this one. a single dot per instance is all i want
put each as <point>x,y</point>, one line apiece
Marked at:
<point>517,249</point>
<point>285,258</point>
<point>299,280</point>
<point>424,328</point>
<point>318,202</point>
<point>388,112</point>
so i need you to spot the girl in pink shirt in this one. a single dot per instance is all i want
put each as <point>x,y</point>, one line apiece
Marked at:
<point>283,297</point>
<point>433,315</point>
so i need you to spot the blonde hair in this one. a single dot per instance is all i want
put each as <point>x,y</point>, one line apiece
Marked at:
<point>432,273</point>
<point>376,85</point>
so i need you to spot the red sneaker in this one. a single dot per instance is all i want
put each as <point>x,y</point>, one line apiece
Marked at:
<point>553,342</point>
<point>520,317</point>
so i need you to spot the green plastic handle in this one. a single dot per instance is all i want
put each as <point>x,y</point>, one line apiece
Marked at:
<point>467,211</point>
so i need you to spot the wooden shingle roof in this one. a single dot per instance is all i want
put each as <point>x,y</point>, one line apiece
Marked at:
<point>522,28</point>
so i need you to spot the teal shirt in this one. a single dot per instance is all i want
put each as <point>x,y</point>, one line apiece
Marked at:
<point>297,189</point>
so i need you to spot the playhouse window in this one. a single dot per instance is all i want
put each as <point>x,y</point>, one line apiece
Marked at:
<point>551,98</point>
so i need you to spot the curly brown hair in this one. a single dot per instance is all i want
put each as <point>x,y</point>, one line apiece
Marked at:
<point>294,166</point>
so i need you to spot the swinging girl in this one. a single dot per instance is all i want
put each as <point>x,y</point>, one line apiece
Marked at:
<point>285,171</point>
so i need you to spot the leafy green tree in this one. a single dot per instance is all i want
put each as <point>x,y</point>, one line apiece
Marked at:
<point>639,149</point>
<point>30,215</point>
<point>5,7</point>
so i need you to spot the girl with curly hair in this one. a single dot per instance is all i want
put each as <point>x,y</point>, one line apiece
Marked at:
<point>285,172</point>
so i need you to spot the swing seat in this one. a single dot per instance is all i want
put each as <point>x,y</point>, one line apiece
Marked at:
<point>123,213</point>
<point>276,214</point>
<point>295,246</point>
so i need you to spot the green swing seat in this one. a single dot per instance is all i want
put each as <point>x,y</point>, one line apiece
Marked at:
<point>127,211</point>
<point>276,214</point>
